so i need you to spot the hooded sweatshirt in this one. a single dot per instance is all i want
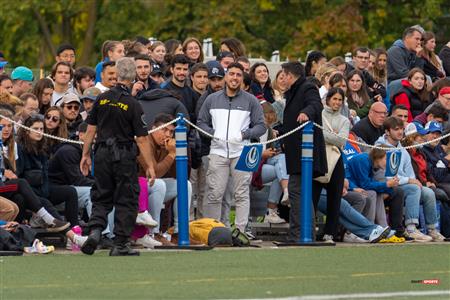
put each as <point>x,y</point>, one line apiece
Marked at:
<point>401,61</point>
<point>405,169</point>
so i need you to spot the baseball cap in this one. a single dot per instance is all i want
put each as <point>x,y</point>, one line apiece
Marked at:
<point>444,91</point>
<point>22,73</point>
<point>69,98</point>
<point>433,126</point>
<point>414,127</point>
<point>156,69</point>
<point>91,93</point>
<point>3,64</point>
<point>215,69</point>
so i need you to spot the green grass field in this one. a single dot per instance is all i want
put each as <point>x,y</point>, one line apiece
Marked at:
<point>228,273</point>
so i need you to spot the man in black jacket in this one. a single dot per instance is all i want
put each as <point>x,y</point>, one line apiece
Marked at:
<point>370,128</point>
<point>302,104</point>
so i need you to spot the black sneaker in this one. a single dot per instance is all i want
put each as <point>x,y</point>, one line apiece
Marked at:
<point>402,234</point>
<point>123,250</point>
<point>57,226</point>
<point>91,243</point>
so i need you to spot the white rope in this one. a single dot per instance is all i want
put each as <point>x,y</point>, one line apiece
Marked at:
<point>245,144</point>
<point>74,141</point>
<point>379,147</point>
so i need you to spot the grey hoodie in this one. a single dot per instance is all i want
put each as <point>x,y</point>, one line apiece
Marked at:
<point>401,60</point>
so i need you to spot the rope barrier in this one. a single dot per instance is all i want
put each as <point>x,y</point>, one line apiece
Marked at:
<point>64,140</point>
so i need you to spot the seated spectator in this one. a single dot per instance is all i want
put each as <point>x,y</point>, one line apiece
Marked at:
<point>314,60</point>
<point>88,99</point>
<point>108,76</point>
<point>162,145</point>
<point>415,192</point>
<point>43,90</point>
<point>272,169</point>
<point>259,73</point>
<point>435,112</point>
<point>379,69</point>
<point>70,106</point>
<point>62,74</point>
<point>323,74</point>
<point>432,63</point>
<point>401,112</point>
<point>338,81</point>
<point>10,101</point>
<point>279,88</point>
<point>357,96</point>
<point>30,106</point>
<point>444,55</point>
<point>370,128</point>
<point>444,100</point>
<point>340,63</point>
<point>360,172</point>
<point>22,79</point>
<point>402,56</point>
<point>413,94</point>
<point>6,83</point>
<point>32,165</point>
<point>55,124</point>
<point>83,78</point>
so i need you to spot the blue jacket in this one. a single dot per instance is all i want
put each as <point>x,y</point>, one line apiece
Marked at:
<point>405,170</point>
<point>360,174</point>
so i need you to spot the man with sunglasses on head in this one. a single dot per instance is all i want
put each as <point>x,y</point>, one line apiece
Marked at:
<point>70,105</point>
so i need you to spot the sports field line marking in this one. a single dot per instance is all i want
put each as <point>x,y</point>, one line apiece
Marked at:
<point>365,295</point>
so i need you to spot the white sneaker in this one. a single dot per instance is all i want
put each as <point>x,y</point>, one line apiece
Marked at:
<point>145,219</point>
<point>78,241</point>
<point>273,218</point>
<point>436,235</point>
<point>328,239</point>
<point>148,242</point>
<point>379,233</point>
<point>352,238</point>
<point>418,236</point>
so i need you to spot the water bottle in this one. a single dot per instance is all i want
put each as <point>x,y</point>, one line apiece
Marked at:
<point>77,231</point>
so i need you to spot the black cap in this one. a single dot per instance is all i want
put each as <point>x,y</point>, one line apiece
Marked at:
<point>156,69</point>
<point>215,69</point>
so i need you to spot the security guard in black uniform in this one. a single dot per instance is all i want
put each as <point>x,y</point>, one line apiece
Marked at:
<point>118,120</point>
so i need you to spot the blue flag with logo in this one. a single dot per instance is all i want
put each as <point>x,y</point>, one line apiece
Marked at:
<point>392,162</point>
<point>250,158</point>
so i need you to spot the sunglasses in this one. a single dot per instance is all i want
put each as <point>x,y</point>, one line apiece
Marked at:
<point>53,118</point>
<point>72,107</point>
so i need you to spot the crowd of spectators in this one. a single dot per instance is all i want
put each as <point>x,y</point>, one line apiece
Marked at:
<point>394,98</point>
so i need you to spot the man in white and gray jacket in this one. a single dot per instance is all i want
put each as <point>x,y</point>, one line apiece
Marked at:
<point>234,115</point>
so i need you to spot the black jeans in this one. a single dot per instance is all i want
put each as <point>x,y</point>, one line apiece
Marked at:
<point>116,185</point>
<point>334,195</point>
<point>396,202</point>
<point>66,194</point>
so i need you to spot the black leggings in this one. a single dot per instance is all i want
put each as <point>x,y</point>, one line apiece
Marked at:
<point>334,194</point>
<point>58,194</point>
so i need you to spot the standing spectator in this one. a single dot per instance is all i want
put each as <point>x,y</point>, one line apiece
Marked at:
<point>413,94</point>
<point>158,52</point>
<point>177,85</point>
<point>444,55</point>
<point>30,106</point>
<point>70,105</point>
<point>173,47</point>
<point>402,56</point>
<point>43,90</point>
<point>192,48</point>
<point>323,74</point>
<point>432,63</point>
<point>245,63</point>
<point>401,112</point>
<point>199,79</point>
<point>379,69</point>
<point>233,45</point>
<point>225,58</point>
<point>22,79</point>
<point>260,86</point>
<point>370,128</point>
<point>6,83</point>
<point>340,64</point>
<point>338,81</point>
<point>88,99</point>
<point>66,53</point>
<point>279,88</point>
<point>313,61</point>
<point>55,124</point>
<point>224,156</point>
<point>357,96</point>
<point>302,104</point>
<point>62,74</point>
<point>143,82</point>
<point>111,51</point>
<point>435,112</point>
<point>108,76</point>
<point>83,78</point>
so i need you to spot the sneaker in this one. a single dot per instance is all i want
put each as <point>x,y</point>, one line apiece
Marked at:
<point>272,217</point>
<point>38,248</point>
<point>123,250</point>
<point>92,241</point>
<point>403,235</point>
<point>418,236</point>
<point>327,239</point>
<point>145,219</point>
<point>148,242</point>
<point>352,238</point>
<point>37,222</point>
<point>436,235</point>
<point>57,226</point>
<point>378,234</point>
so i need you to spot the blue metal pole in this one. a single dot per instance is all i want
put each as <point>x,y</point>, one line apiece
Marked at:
<point>306,189</point>
<point>182,178</point>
